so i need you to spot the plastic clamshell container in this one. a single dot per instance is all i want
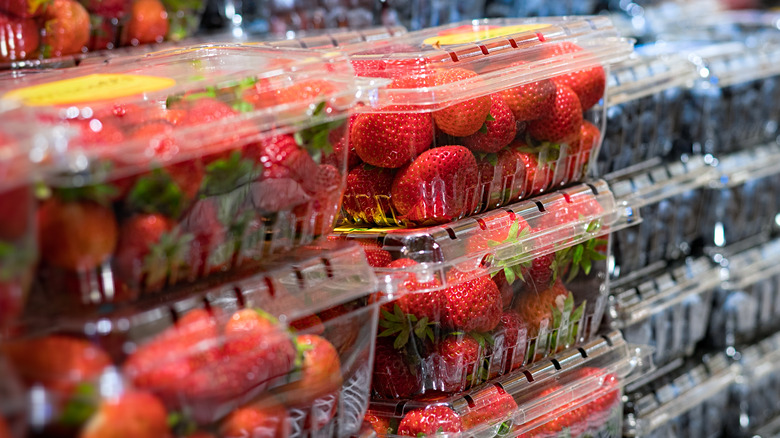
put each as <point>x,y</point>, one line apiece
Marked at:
<point>668,310</point>
<point>13,405</point>
<point>646,95</point>
<point>742,202</point>
<point>540,8</point>
<point>577,391</point>
<point>329,39</point>
<point>444,85</point>
<point>747,305</point>
<point>672,198</point>
<point>755,395</point>
<point>18,242</point>
<point>61,33</point>
<point>293,341</point>
<point>197,162</point>
<point>690,401</point>
<point>504,288</point>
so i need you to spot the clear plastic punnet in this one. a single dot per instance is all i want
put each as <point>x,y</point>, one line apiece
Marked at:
<point>576,393</point>
<point>693,400</point>
<point>742,203</point>
<point>328,39</point>
<point>60,33</point>
<point>485,295</point>
<point>668,310</point>
<point>474,116</point>
<point>288,347</point>
<point>184,165</point>
<point>671,197</point>
<point>754,398</point>
<point>747,306</point>
<point>646,95</point>
<point>12,402</point>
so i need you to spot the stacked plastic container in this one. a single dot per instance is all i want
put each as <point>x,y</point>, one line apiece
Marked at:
<point>181,288</point>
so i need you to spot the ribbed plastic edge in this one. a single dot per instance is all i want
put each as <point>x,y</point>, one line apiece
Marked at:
<point>331,38</point>
<point>750,164</point>
<point>752,265</point>
<point>641,76</point>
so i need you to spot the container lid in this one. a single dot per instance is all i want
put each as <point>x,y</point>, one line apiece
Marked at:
<point>256,90</point>
<point>329,38</point>
<point>563,383</point>
<point>642,299</point>
<point>641,76</point>
<point>545,224</point>
<point>304,281</point>
<point>747,267</point>
<point>504,53</point>
<point>761,359</point>
<point>676,393</point>
<point>750,164</point>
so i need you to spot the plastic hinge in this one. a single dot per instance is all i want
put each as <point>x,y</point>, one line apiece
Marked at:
<point>663,182</point>
<point>753,265</point>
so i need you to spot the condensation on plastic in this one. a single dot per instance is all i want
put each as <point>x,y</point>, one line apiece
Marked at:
<point>546,390</point>
<point>241,209</point>
<point>668,310</point>
<point>330,283</point>
<point>690,401</point>
<point>643,108</point>
<point>671,198</point>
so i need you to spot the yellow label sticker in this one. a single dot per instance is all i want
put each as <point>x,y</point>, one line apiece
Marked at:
<point>88,88</point>
<point>480,33</point>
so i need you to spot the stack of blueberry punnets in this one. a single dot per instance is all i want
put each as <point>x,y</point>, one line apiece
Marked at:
<point>287,349</point>
<point>201,162</point>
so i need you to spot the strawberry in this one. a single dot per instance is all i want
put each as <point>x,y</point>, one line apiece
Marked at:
<point>148,251</point>
<point>281,157</point>
<point>255,421</point>
<point>339,140</point>
<point>562,124</point>
<point>76,235</point>
<point>208,250</point>
<point>431,420</point>
<point>66,28</point>
<point>107,9</point>
<point>75,361</point>
<point>392,376</point>
<point>311,324</point>
<point>320,370</point>
<point>604,399</point>
<point>580,150</point>
<point>530,101</point>
<point>420,304</point>
<point>540,271</point>
<point>104,33</point>
<point>24,8</point>
<point>131,415</point>
<point>538,176</point>
<point>306,91</point>
<point>463,118</point>
<point>567,211</point>
<point>588,83</point>
<point>499,130</point>
<point>376,256</point>
<point>19,37</point>
<point>5,431</point>
<point>148,23</point>
<point>502,177</point>
<point>472,304</point>
<point>393,138</point>
<point>493,406</point>
<point>16,207</point>
<point>438,187</point>
<point>508,353</point>
<point>504,229</point>
<point>367,196</point>
<point>536,308</point>
<point>457,363</point>
<point>382,425</point>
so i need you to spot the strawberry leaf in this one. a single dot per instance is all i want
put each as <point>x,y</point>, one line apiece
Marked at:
<point>224,175</point>
<point>165,258</point>
<point>401,340</point>
<point>157,193</point>
<point>509,273</point>
<point>100,193</point>
<point>81,405</point>
<point>389,316</point>
<point>492,158</point>
<point>483,129</point>
<point>490,118</point>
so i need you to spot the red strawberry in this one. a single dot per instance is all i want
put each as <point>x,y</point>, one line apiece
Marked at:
<point>311,324</point>
<point>146,245</point>
<point>19,37</point>
<point>588,83</point>
<point>367,197</point>
<point>457,363</point>
<point>439,186</point>
<point>5,431</point>
<point>431,420</point>
<point>538,176</point>
<point>320,371</point>
<point>502,177</point>
<point>340,142</point>
<point>392,376</point>
<point>562,124</point>
<point>507,290</point>
<point>76,235</point>
<point>305,91</point>
<point>98,135</point>
<point>24,8</point>
<point>16,209</point>
<point>382,425</point>
<point>253,421</point>
<point>569,211</point>
<point>535,308</point>
<point>66,28</point>
<point>579,151</point>
<point>104,33</point>
<point>281,157</point>
<point>540,271</point>
<point>530,101</point>
<point>376,256</point>
<point>391,139</point>
<point>420,304</point>
<point>75,361</point>
<point>564,419</point>
<point>320,214</point>
<point>510,343</point>
<point>133,414</point>
<point>207,251</point>
<point>148,23</point>
<point>472,304</point>
<point>498,132</point>
<point>463,118</point>
<point>107,9</point>
<point>502,229</point>
<point>493,406</point>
